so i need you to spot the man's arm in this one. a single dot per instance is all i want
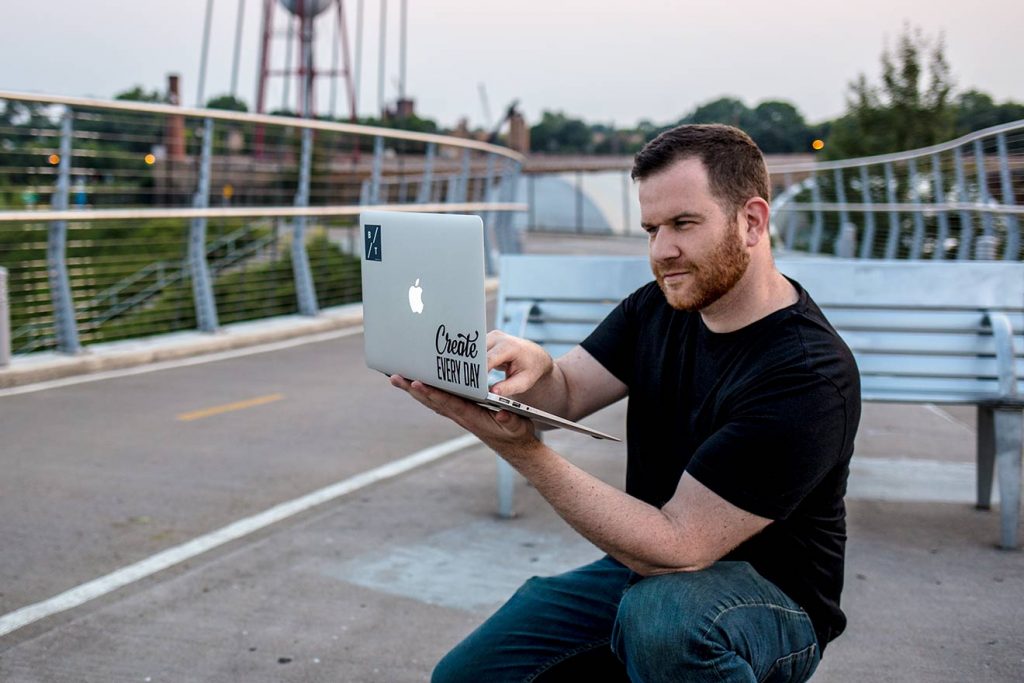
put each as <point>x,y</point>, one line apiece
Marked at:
<point>573,386</point>
<point>693,530</point>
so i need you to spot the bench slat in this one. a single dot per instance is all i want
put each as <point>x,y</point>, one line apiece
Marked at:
<point>960,284</point>
<point>846,318</point>
<point>930,366</point>
<point>596,277</point>
<point>927,344</point>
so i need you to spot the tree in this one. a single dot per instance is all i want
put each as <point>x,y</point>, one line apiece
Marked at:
<point>560,134</point>
<point>140,94</point>
<point>227,102</point>
<point>911,107</point>
<point>976,110</point>
<point>778,128</point>
<point>727,110</point>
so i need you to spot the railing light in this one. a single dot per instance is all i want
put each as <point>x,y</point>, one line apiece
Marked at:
<point>54,159</point>
<point>150,159</point>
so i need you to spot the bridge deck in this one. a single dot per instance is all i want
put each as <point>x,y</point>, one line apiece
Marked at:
<point>376,584</point>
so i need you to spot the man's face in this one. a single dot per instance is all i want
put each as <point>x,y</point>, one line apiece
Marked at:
<point>697,250</point>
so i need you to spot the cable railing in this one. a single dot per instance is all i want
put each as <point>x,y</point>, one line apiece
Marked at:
<point>958,200</point>
<point>126,219</point>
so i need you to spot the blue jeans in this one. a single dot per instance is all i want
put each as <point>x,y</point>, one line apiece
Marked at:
<point>602,622</point>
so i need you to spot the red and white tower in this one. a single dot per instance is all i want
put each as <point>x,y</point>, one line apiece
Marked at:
<point>299,69</point>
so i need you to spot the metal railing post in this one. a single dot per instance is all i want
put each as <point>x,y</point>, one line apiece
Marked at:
<point>490,186</point>
<point>625,203</point>
<point>423,196</point>
<point>507,238</point>
<point>1006,185</point>
<point>5,321</point>
<point>985,248</point>
<point>791,216</point>
<point>983,195</point>
<point>463,183</point>
<point>846,243</point>
<point>451,192</point>
<point>819,218</point>
<point>65,326</point>
<point>966,225</point>
<point>939,197</point>
<point>917,246</point>
<point>531,216</point>
<point>893,241</point>
<point>579,201</point>
<point>869,216</point>
<point>378,163</point>
<point>844,214</point>
<point>305,290</point>
<point>202,286</point>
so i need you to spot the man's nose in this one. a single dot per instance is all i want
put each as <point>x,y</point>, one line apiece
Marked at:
<point>663,246</point>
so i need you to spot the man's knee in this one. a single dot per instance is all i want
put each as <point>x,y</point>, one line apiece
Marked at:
<point>663,615</point>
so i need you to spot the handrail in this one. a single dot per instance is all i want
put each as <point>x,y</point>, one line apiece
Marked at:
<point>921,152</point>
<point>242,117</point>
<point>247,211</point>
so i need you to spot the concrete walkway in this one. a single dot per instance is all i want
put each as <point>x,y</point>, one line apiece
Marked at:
<point>379,579</point>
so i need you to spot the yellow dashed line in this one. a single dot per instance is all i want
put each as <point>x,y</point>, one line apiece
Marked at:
<point>229,407</point>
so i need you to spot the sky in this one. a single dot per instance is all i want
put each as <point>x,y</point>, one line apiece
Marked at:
<point>603,61</point>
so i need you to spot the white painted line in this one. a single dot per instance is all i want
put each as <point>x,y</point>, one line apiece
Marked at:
<point>907,480</point>
<point>945,415</point>
<point>182,362</point>
<point>172,556</point>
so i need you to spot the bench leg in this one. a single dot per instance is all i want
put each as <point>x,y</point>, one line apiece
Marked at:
<point>506,488</point>
<point>1009,431</point>
<point>986,456</point>
<point>507,484</point>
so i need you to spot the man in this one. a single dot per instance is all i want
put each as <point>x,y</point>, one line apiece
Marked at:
<point>725,551</point>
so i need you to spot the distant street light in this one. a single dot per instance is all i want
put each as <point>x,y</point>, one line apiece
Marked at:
<point>818,145</point>
<point>54,159</point>
<point>150,159</point>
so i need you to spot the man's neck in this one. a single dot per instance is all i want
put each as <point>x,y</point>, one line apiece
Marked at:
<point>760,292</point>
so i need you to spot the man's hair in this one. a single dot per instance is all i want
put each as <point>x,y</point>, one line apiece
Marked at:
<point>735,166</point>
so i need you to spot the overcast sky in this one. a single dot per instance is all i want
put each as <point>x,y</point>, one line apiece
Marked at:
<point>613,62</point>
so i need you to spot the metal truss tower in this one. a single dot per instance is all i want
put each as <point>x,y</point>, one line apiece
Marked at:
<point>299,70</point>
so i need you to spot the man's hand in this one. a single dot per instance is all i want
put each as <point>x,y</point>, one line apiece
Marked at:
<point>523,362</point>
<point>507,434</point>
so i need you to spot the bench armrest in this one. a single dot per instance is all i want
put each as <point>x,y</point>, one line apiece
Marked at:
<point>1002,330</point>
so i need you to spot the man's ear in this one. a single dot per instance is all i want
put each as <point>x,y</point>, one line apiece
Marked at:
<point>756,214</point>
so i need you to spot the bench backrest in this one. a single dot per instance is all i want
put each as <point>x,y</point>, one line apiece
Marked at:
<point>920,331</point>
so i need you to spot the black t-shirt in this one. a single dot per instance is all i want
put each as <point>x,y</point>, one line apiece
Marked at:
<point>764,416</point>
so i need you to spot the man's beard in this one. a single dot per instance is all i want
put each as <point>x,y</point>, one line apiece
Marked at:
<point>709,281</point>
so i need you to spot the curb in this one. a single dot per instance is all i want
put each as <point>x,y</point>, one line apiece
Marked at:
<point>49,366</point>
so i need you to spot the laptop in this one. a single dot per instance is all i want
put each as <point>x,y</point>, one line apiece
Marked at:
<point>424,308</point>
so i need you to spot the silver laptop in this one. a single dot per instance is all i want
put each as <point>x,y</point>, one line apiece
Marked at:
<point>424,311</point>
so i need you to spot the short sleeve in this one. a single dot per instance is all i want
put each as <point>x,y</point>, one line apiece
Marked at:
<point>780,440</point>
<point>613,342</point>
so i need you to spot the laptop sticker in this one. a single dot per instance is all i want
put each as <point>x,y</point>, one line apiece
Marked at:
<point>373,252</point>
<point>455,356</point>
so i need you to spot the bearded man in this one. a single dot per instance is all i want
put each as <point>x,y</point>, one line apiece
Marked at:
<point>725,550</point>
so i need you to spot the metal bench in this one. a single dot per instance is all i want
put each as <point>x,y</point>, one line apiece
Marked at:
<point>922,332</point>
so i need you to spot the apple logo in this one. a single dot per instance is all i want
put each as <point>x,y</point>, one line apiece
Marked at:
<point>416,297</point>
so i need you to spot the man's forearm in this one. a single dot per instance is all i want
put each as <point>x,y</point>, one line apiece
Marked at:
<point>635,533</point>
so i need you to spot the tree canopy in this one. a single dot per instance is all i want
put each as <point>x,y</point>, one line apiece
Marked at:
<point>911,107</point>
